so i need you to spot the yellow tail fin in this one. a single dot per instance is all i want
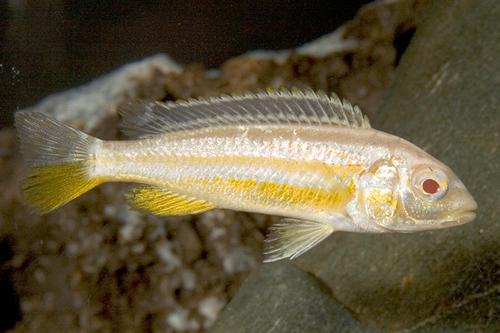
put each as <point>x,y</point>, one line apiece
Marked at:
<point>59,160</point>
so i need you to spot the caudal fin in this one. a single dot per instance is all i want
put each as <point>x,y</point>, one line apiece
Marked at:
<point>59,160</point>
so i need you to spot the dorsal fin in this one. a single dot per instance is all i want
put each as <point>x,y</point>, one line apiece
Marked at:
<point>274,107</point>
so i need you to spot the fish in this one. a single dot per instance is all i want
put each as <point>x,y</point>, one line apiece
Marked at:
<point>306,156</point>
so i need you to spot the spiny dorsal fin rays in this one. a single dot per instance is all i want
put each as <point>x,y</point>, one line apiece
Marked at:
<point>292,237</point>
<point>273,107</point>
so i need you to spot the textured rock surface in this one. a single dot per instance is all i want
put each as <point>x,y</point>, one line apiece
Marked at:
<point>95,266</point>
<point>281,298</point>
<point>445,99</point>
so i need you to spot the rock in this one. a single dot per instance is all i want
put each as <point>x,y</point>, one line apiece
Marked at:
<point>210,308</point>
<point>282,298</point>
<point>444,99</point>
<point>179,321</point>
<point>334,42</point>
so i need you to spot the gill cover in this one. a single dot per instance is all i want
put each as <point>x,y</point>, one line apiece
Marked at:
<point>379,192</point>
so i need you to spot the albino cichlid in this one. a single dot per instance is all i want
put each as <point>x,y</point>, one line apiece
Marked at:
<point>311,158</point>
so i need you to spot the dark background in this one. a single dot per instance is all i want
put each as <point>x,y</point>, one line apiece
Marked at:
<point>51,45</point>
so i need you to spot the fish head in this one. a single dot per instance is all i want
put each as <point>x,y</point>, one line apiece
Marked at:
<point>420,194</point>
<point>433,197</point>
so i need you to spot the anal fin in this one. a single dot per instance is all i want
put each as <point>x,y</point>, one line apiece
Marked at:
<point>292,237</point>
<point>163,202</point>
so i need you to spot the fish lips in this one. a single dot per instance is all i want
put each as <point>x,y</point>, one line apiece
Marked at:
<point>422,225</point>
<point>463,218</point>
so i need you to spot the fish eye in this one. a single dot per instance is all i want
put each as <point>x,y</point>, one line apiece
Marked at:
<point>430,186</point>
<point>430,183</point>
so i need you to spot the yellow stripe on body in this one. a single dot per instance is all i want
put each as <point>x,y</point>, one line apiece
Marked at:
<point>268,194</point>
<point>296,183</point>
<point>330,193</point>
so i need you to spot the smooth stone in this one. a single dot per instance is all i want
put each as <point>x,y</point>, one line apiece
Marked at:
<point>280,297</point>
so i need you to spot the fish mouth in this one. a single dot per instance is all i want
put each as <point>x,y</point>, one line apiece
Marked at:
<point>422,225</point>
<point>459,219</point>
<point>461,216</point>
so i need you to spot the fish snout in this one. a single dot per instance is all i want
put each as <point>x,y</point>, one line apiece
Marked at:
<point>465,213</point>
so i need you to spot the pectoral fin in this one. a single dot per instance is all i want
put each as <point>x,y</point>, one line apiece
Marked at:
<point>292,237</point>
<point>163,202</point>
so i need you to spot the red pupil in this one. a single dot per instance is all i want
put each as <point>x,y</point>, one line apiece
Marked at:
<point>430,186</point>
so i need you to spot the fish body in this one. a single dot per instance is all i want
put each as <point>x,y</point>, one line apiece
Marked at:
<point>305,156</point>
<point>304,172</point>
